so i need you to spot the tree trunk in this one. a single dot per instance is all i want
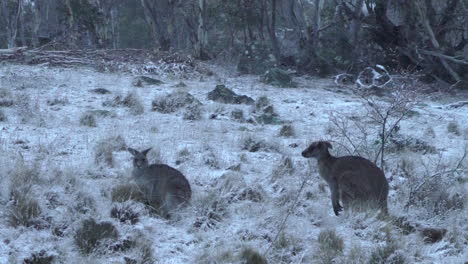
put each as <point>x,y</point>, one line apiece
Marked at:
<point>159,28</point>
<point>202,34</point>
<point>272,32</point>
<point>11,15</point>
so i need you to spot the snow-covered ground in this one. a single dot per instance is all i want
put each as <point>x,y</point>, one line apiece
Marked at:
<point>257,205</point>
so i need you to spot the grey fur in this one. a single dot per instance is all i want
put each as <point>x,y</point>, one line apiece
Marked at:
<point>352,179</point>
<point>165,187</point>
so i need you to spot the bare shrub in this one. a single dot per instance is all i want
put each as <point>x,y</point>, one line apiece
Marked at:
<point>23,209</point>
<point>88,119</point>
<point>95,237</point>
<point>253,144</point>
<point>330,246</point>
<point>84,203</point>
<point>385,117</point>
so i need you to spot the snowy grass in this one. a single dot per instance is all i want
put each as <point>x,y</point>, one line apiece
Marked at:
<point>245,177</point>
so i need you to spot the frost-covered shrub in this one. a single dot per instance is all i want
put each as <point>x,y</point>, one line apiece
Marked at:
<point>88,119</point>
<point>330,246</point>
<point>3,117</point>
<point>23,209</point>
<point>124,213</point>
<point>127,192</point>
<point>250,256</point>
<point>28,111</point>
<point>94,237</point>
<point>453,128</point>
<point>287,131</point>
<point>210,158</point>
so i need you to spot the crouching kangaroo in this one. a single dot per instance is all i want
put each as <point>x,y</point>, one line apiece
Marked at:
<point>165,188</point>
<point>352,179</point>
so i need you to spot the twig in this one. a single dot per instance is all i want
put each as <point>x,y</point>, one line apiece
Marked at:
<point>290,210</point>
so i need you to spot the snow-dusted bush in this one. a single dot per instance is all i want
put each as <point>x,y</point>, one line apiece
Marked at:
<point>254,144</point>
<point>330,246</point>
<point>23,209</point>
<point>88,119</point>
<point>41,257</point>
<point>94,237</point>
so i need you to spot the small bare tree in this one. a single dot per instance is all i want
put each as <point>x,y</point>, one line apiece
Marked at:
<point>385,113</point>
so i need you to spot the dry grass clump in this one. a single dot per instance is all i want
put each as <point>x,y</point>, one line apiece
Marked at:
<point>23,210</point>
<point>388,254</point>
<point>287,131</point>
<point>103,152</point>
<point>88,119</point>
<point>454,128</point>
<point>330,246</point>
<point>252,144</point>
<point>250,256</point>
<point>6,99</point>
<point>130,100</point>
<point>125,214</point>
<point>172,102</point>
<point>95,237</point>
<point>40,257</point>
<point>127,192</point>
<point>193,112</point>
<point>3,116</point>
<point>285,167</point>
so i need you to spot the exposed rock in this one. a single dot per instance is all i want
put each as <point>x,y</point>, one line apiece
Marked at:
<point>100,91</point>
<point>140,81</point>
<point>277,77</point>
<point>222,94</point>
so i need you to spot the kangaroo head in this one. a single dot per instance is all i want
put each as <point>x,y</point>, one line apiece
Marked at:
<point>317,149</point>
<point>139,158</point>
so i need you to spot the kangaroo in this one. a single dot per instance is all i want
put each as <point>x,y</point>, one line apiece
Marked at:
<point>165,188</point>
<point>354,180</point>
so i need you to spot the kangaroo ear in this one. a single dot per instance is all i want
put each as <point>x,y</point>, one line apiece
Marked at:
<point>134,152</point>
<point>146,151</point>
<point>326,144</point>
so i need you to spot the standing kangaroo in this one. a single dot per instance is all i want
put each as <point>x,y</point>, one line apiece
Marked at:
<point>165,188</point>
<point>354,180</point>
